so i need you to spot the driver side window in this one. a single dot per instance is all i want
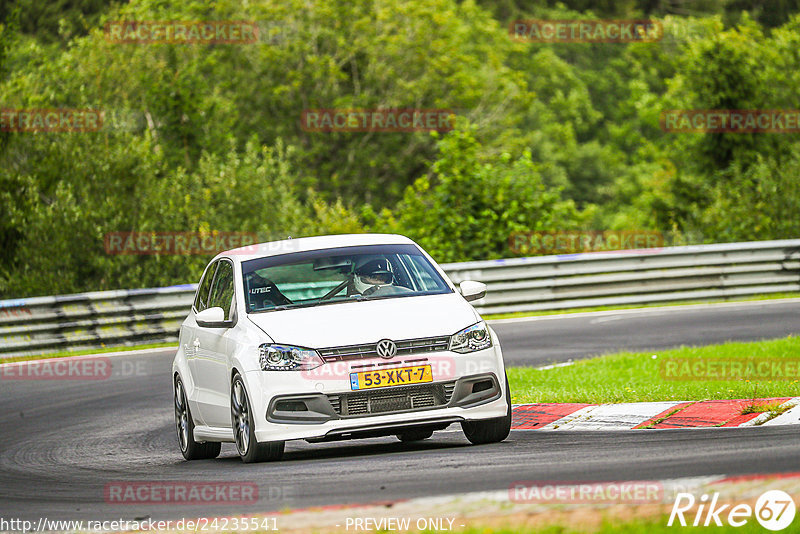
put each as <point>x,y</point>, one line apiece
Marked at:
<point>222,290</point>
<point>201,300</point>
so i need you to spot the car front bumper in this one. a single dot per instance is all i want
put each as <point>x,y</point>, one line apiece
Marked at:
<point>321,404</point>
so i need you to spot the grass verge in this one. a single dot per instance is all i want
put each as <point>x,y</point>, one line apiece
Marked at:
<point>640,377</point>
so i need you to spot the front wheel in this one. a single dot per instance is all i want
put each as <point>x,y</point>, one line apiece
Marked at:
<point>250,450</point>
<point>191,449</point>
<point>490,430</point>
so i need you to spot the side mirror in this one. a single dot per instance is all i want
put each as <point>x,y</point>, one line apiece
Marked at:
<point>472,290</point>
<point>212,318</point>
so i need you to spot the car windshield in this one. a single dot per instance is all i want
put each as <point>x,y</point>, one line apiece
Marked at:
<point>338,275</point>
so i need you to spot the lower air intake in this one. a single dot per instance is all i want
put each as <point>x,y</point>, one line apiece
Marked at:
<point>393,400</point>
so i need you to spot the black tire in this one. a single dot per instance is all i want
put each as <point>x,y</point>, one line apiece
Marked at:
<point>184,425</point>
<point>414,435</point>
<point>250,450</point>
<point>490,430</point>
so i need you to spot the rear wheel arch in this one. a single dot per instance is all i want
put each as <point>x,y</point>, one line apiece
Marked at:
<point>184,423</point>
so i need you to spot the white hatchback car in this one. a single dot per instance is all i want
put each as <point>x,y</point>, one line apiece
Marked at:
<point>333,337</point>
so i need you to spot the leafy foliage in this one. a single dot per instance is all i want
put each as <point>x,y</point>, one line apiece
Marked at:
<point>469,208</point>
<point>550,136</point>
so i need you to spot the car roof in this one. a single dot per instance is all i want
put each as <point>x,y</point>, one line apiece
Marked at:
<point>303,244</point>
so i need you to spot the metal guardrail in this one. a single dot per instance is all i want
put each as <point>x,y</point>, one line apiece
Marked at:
<point>92,320</point>
<point>634,276</point>
<point>131,317</point>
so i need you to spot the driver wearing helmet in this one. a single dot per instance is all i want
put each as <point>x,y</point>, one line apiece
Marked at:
<point>373,275</point>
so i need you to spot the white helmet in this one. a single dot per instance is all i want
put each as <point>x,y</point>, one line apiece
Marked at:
<point>372,275</point>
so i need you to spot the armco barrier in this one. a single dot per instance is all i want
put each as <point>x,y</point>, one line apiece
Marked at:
<point>92,320</point>
<point>130,317</point>
<point>634,276</point>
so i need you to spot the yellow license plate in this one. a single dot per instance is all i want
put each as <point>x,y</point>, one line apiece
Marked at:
<point>400,376</point>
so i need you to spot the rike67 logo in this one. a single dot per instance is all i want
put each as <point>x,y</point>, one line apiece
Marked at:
<point>774,510</point>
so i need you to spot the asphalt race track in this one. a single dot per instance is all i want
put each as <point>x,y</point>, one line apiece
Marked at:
<point>551,339</point>
<point>63,441</point>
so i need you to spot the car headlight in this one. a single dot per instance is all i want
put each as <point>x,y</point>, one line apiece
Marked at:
<point>287,358</point>
<point>475,337</point>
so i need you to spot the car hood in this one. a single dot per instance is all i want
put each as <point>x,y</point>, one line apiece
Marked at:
<point>353,323</point>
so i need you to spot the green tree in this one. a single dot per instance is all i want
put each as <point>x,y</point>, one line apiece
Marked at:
<point>470,208</point>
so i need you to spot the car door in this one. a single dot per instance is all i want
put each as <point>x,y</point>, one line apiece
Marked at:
<point>213,345</point>
<point>188,337</point>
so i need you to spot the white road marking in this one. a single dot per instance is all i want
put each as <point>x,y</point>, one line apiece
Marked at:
<point>622,416</point>
<point>553,366</point>
<point>555,425</point>
<point>789,417</point>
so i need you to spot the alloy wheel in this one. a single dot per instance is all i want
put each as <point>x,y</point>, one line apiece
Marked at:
<point>181,416</point>
<point>241,418</point>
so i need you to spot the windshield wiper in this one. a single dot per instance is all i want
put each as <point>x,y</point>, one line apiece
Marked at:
<point>281,307</point>
<point>357,297</point>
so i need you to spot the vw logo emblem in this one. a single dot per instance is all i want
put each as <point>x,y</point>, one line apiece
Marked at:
<point>387,349</point>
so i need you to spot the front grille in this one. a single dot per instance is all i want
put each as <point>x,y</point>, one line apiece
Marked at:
<point>407,347</point>
<point>392,400</point>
